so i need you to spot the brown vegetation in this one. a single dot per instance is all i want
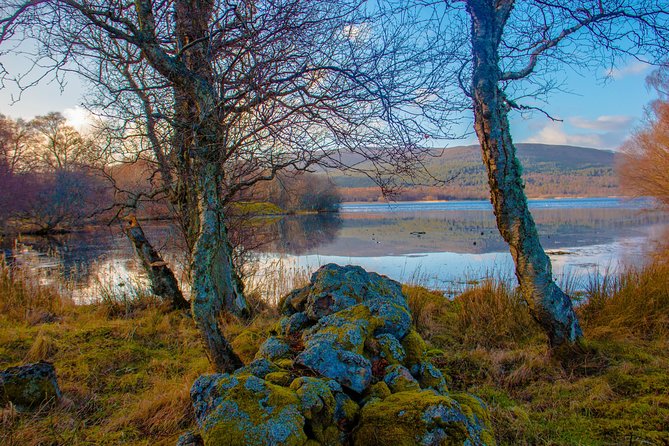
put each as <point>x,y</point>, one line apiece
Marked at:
<point>644,162</point>
<point>46,179</point>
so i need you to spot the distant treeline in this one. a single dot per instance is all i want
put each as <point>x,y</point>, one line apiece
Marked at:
<point>537,185</point>
<point>549,171</point>
<point>54,178</point>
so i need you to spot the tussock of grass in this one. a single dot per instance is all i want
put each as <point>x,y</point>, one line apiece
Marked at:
<point>430,310</point>
<point>633,305</point>
<point>42,349</point>
<point>487,315</point>
<point>493,315</point>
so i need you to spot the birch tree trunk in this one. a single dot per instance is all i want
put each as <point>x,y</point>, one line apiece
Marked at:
<point>216,285</point>
<point>163,282</point>
<point>549,305</point>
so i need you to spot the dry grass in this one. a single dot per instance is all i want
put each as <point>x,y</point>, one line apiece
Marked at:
<point>632,305</point>
<point>268,281</point>
<point>43,348</point>
<point>23,298</point>
<point>492,314</point>
<point>429,309</point>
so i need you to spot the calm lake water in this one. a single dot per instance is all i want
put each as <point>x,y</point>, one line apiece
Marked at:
<point>443,245</point>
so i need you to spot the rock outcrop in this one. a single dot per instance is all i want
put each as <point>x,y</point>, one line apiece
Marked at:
<point>344,366</point>
<point>29,386</point>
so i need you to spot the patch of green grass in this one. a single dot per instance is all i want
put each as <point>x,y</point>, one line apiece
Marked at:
<point>256,208</point>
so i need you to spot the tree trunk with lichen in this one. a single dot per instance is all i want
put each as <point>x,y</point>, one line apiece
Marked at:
<point>549,305</point>
<point>216,286</point>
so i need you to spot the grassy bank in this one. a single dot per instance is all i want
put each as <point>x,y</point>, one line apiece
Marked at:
<point>125,369</point>
<point>615,391</point>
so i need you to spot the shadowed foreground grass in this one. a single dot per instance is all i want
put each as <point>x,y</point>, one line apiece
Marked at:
<point>125,372</point>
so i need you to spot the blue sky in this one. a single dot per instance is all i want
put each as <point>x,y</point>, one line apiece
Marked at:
<point>599,111</point>
<point>595,113</point>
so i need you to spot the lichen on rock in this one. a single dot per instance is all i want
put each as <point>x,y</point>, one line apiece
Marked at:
<point>344,367</point>
<point>29,386</point>
<point>420,417</point>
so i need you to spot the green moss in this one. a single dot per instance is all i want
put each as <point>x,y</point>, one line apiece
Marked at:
<point>318,405</point>
<point>247,343</point>
<point>282,378</point>
<point>472,405</point>
<point>414,347</point>
<point>349,410</point>
<point>399,379</point>
<point>284,363</point>
<point>256,208</point>
<point>379,390</point>
<point>347,329</point>
<point>400,419</point>
<point>255,412</point>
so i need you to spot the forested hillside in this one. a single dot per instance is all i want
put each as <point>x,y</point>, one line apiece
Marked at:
<point>549,171</point>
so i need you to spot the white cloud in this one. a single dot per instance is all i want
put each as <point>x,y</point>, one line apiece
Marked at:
<point>554,133</point>
<point>605,123</point>
<point>78,117</point>
<point>606,132</point>
<point>636,67</point>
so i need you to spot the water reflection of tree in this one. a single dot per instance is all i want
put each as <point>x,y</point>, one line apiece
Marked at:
<point>299,234</point>
<point>77,255</point>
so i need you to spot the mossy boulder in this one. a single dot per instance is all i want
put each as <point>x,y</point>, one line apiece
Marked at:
<point>342,366</point>
<point>190,439</point>
<point>388,348</point>
<point>29,386</point>
<point>273,348</point>
<point>421,417</point>
<point>244,409</point>
<point>399,379</point>
<point>334,288</point>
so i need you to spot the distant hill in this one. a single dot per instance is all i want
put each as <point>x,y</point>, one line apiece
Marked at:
<point>548,170</point>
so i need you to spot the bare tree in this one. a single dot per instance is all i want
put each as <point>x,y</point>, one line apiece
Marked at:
<point>510,61</point>
<point>251,88</point>
<point>12,147</point>
<point>15,138</point>
<point>45,181</point>
<point>57,146</point>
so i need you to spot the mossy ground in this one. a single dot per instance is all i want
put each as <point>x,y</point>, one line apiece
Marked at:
<point>125,376</point>
<point>124,381</point>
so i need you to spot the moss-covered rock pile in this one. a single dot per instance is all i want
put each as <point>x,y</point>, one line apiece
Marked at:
<point>344,366</point>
